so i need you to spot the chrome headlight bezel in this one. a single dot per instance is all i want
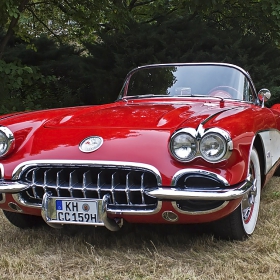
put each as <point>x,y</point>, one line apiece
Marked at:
<point>7,141</point>
<point>224,143</point>
<point>191,147</point>
<point>218,148</point>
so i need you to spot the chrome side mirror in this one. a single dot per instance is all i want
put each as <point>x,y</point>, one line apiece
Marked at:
<point>264,95</point>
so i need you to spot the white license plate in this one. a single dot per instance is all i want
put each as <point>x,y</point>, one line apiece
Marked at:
<point>75,211</point>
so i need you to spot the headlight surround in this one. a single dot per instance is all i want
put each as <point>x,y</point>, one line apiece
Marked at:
<point>6,141</point>
<point>183,146</point>
<point>213,147</point>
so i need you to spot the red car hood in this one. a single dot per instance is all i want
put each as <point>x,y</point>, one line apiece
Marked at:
<point>131,132</point>
<point>137,116</point>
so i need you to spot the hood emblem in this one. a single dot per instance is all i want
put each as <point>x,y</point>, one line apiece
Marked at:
<point>90,144</point>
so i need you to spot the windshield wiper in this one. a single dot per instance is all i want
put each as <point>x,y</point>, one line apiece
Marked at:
<point>145,96</point>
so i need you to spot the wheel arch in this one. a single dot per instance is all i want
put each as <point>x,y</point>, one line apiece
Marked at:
<point>258,145</point>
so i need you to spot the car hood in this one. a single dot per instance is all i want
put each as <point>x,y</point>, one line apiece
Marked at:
<point>137,116</point>
<point>131,132</point>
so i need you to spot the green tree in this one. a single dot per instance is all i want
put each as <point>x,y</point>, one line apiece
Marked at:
<point>183,40</point>
<point>112,36</point>
<point>84,20</point>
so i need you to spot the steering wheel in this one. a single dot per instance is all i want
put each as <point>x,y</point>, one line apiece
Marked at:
<point>222,91</point>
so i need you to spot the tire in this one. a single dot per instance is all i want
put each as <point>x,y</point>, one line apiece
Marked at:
<point>22,220</point>
<point>241,223</point>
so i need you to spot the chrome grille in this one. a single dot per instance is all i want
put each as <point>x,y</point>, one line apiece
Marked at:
<point>126,185</point>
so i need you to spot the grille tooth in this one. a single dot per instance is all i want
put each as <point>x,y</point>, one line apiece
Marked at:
<point>115,181</point>
<point>100,183</point>
<point>142,188</point>
<point>126,185</point>
<point>73,179</point>
<point>33,183</point>
<point>50,184</point>
<point>59,182</point>
<point>87,181</point>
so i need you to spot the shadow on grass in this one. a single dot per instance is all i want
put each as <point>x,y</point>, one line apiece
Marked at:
<point>135,235</point>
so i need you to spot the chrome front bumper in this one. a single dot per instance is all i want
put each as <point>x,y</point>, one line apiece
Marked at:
<point>172,193</point>
<point>178,193</point>
<point>208,194</point>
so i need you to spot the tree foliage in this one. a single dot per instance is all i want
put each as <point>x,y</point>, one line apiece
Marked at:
<point>88,46</point>
<point>184,40</point>
<point>84,20</point>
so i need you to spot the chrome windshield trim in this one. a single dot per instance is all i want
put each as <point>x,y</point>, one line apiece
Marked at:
<point>210,174</point>
<point>124,89</point>
<point>33,163</point>
<point>174,204</point>
<point>209,194</point>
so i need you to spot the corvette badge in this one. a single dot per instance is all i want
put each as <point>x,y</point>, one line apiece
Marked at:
<point>91,144</point>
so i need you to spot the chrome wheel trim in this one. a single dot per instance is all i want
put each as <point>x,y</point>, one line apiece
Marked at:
<point>251,201</point>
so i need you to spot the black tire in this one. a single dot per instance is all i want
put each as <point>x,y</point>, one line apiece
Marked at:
<point>22,220</point>
<point>242,221</point>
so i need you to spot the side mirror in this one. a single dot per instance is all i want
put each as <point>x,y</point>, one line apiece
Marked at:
<point>264,95</point>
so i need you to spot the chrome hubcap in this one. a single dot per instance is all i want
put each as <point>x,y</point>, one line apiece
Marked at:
<point>248,202</point>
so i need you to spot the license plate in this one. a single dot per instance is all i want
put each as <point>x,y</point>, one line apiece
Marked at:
<point>76,211</point>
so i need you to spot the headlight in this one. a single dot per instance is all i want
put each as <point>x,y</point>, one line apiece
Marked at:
<point>213,147</point>
<point>6,141</point>
<point>183,146</point>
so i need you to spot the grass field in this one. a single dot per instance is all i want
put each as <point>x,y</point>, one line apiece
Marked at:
<point>143,251</point>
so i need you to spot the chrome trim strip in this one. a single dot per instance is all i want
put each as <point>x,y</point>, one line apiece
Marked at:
<point>214,194</point>
<point>1,171</point>
<point>246,74</point>
<point>199,212</point>
<point>21,167</point>
<point>198,172</point>
<point>136,212</point>
<point>18,198</point>
<point>11,187</point>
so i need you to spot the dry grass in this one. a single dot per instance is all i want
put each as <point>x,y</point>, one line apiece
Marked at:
<point>143,252</point>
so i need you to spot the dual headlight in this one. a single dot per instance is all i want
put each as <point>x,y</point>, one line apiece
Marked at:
<point>214,145</point>
<point>6,141</point>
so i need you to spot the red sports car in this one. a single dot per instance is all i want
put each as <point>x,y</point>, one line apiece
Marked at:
<point>183,143</point>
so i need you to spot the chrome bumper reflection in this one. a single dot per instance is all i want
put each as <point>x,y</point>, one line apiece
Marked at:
<point>12,186</point>
<point>201,194</point>
<point>166,193</point>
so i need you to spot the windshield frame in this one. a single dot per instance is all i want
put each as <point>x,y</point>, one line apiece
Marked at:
<point>124,90</point>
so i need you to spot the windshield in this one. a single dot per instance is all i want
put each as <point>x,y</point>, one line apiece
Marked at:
<point>189,80</point>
